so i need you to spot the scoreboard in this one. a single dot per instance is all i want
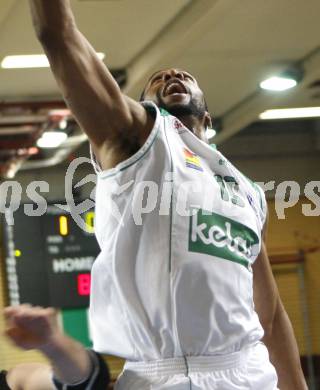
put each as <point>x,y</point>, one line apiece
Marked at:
<point>49,258</point>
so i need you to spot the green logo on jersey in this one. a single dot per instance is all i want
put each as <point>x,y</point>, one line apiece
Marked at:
<point>216,235</point>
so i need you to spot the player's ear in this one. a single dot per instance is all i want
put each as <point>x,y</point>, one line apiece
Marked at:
<point>207,120</point>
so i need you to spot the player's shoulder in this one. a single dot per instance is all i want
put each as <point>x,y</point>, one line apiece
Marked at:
<point>253,189</point>
<point>152,109</point>
<point>255,186</point>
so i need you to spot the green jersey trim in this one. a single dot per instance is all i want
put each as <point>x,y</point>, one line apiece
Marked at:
<point>164,112</point>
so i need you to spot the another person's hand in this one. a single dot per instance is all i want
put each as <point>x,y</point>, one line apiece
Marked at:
<point>31,327</point>
<point>38,328</point>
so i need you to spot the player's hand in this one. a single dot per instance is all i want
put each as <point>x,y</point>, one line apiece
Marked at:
<point>31,327</point>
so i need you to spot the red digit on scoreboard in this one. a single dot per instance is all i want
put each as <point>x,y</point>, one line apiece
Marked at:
<point>84,283</point>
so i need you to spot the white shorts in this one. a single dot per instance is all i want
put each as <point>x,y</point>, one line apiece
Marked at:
<point>244,370</point>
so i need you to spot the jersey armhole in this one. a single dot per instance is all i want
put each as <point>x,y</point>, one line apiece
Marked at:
<point>263,204</point>
<point>154,111</point>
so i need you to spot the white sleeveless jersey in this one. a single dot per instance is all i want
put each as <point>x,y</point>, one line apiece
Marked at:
<point>179,228</point>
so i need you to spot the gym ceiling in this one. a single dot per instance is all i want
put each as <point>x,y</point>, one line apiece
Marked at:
<point>229,45</point>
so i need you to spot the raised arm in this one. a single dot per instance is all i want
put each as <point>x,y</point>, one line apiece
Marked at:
<point>279,337</point>
<point>111,120</point>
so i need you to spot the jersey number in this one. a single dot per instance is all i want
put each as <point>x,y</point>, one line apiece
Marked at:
<point>229,189</point>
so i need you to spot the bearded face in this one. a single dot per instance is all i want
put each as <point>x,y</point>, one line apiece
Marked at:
<point>177,92</point>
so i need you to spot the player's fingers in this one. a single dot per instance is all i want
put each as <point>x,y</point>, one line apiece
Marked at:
<point>9,332</point>
<point>14,310</point>
<point>51,312</point>
<point>30,318</point>
<point>16,337</point>
<point>33,311</point>
<point>20,315</point>
<point>13,334</point>
<point>25,306</point>
<point>8,314</point>
<point>42,314</point>
<point>30,311</point>
<point>37,312</point>
<point>35,319</point>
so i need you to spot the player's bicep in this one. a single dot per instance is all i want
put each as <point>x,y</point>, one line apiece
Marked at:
<point>88,87</point>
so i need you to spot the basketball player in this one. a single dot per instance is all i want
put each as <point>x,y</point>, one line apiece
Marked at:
<point>72,366</point>
<point>182,287</point>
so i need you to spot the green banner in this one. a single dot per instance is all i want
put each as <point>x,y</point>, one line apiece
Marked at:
<point>75,325</point>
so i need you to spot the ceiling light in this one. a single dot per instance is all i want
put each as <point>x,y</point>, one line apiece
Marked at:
<point>210,133</point>
<point>63,124</point>
<point>285,80</point>
<point>25,61</point>
<point>28,151</point>
<point>278,84</point>
<point>290,113</point>
<point>30,61</point>
<point>33,151</point>
<point>51,139</point>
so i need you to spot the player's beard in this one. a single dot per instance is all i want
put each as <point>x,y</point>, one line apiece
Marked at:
<point>193,108</point>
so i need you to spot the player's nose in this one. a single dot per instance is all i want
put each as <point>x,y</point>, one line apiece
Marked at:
<point>172,73</point>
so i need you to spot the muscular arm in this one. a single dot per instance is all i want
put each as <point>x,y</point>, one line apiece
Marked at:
<point>109,118</point>
<point>279,337</point>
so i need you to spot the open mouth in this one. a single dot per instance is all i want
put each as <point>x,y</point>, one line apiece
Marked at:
<point>174,87</point>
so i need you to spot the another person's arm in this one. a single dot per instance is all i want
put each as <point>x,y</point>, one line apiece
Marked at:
<point>29,376</point>
<point>113,122</point>
<point>37,328</point>
<point>279,337</point>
